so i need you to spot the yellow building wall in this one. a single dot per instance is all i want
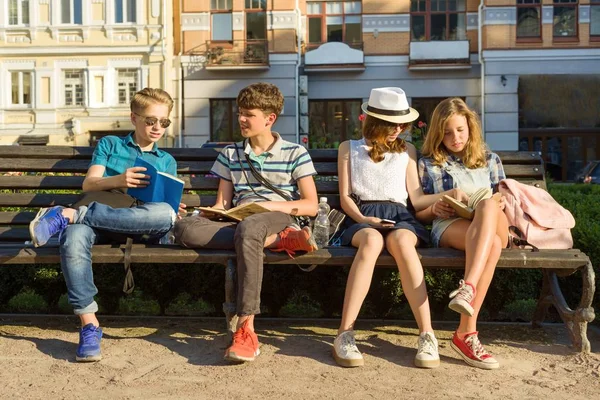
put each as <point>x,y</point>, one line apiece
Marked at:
<point>385,7</point>
<point>98,12</point>
<point>44,10</point>
<point>395,43</point>
<point>190,6</point>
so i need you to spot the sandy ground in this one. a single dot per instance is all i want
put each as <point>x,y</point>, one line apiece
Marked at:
<point>182,358</point>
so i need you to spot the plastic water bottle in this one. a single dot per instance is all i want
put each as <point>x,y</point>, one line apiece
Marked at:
<point>321,225</point>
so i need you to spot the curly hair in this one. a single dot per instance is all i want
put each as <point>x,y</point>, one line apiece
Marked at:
<point>475,148</point>
<point>147,96</point>
<point>263,96</point>
<point>376,131</point>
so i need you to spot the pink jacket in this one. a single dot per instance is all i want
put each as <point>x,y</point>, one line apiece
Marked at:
<point>545,223</point>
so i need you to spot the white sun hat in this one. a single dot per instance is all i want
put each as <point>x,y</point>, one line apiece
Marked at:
<point>390,104</point>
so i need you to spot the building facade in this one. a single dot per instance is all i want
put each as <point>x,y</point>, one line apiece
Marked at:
<point>68,68</point>
<point>530,67</point>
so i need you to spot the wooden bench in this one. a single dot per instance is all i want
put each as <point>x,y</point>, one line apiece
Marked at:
<point>52,168</point>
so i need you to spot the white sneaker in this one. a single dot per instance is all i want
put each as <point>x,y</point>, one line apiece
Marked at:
<point>427,353</point>
<point>345,352</point>
<point>462,299</point>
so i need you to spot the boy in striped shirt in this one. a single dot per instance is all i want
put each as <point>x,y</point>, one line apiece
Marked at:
<point>289,168</point>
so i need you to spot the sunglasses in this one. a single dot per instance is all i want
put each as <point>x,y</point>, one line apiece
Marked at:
<point>151,121</point>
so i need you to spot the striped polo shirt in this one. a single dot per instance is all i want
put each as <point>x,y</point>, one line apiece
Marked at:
<point>283,165</point>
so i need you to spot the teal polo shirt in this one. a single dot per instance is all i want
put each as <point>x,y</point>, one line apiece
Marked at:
<point>117,154</point>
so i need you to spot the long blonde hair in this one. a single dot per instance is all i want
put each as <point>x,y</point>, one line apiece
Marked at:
<point>376,131</point>
<point>475,148</point>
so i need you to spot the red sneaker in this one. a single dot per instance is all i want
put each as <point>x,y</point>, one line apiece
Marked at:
<point>472,351</point>
<point>292,240</point>
<point>244,346</point>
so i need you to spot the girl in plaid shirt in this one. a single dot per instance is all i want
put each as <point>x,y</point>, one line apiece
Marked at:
<point>455,156</point>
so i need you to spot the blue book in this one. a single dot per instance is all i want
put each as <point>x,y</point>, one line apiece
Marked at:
<point>163,187</point>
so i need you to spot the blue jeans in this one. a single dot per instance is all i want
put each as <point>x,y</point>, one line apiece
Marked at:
<point>98,223</point>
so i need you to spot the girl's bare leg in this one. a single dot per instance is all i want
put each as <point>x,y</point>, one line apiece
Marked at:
<point>402,244</point>
<point>369,243</point>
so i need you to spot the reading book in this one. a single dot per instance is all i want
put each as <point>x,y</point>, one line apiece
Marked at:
<point>236,213</point>
<point>163,187</point>
<point>468,210</point>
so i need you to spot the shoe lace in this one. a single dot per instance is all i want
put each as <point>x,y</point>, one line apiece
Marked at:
<point>288,243</point>
<point>241,336</point>
<point>57,224</point>
<point>463,292</point>
<point>426,345</point>
<point>349,344</point>
<point>476,347</point>
<point>89,335</point>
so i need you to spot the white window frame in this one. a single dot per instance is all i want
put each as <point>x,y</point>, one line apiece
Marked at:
<point>20,73</point>
<point>125,15</point>
<point>72,13</point>
<point>19,13</point>
<point>63,88</point>
<point>128,94</point>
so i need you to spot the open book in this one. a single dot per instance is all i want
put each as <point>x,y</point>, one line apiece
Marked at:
<point>236,213</point>
<point>468,210</point>
<point>163,187</point>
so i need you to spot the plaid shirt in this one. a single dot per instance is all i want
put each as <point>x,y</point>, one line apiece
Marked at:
<point>435,179</point>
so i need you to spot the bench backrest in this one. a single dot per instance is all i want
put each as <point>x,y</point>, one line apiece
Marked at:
<point>39,176</point>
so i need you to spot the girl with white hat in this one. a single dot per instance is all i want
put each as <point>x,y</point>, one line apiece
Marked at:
<point>377,175</point>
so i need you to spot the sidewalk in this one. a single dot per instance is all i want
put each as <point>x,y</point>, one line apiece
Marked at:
<point>148,358</point>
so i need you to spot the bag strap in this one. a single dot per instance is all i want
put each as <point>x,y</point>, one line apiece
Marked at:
<point>237,151</point>
<point>128,284</point>
<point>516,236</point>
<point>263,181</point>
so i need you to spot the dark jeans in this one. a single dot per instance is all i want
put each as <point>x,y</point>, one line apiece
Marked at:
<point>247,238</point>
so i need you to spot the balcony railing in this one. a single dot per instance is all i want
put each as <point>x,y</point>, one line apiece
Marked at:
<point>236,54</point>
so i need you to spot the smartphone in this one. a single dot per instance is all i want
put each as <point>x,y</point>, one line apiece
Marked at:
<point>388,221</point>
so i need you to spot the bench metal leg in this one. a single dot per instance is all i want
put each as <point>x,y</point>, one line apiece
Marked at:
<point>229,307</point>
<point>576,321</point>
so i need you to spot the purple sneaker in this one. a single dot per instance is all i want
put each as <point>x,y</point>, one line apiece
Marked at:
<point>47,223</point>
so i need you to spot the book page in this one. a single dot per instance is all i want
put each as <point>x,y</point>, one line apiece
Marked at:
<point>236,214</point>
<point>171,176</point>
<point>462,210</point>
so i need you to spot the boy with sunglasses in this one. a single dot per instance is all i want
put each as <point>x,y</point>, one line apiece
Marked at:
<point>79,229</point>
<point>289,169</point>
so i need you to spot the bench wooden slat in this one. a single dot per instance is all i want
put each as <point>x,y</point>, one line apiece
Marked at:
<point>36,200</point>
<point>16,217</point>
<point>431,258</point>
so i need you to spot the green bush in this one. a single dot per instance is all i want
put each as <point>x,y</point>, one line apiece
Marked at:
<point>27,302</point>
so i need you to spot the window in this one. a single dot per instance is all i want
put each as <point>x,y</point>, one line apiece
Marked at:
<point>334,21</point>
<point>332,122</point>
<point>127,84</point>
<point>71,12</point>
<point>20,88</point>
<point>73,87</point>
<point>595,18</point>
<point>18,12</point>
<point>529,19</point>
<point>125,11</point>
<point>224,125</point>
<point>565,18</point>
<point>222,23</point>
<point>438,20</point>
<point>256,19</point>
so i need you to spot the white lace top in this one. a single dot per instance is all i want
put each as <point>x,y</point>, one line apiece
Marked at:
<point>385,180</point>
